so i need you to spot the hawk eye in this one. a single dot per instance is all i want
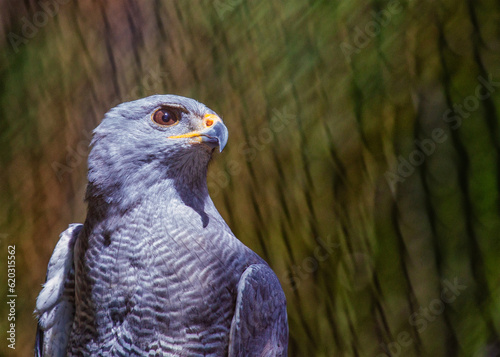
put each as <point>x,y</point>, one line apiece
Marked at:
<point>165,117</point>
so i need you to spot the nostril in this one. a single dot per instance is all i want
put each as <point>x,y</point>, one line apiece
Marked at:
<point>210,120</point>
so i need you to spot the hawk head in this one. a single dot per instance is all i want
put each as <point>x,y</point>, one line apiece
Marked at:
<point>143,145</point>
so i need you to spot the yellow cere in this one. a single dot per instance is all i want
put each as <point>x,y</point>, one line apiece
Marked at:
<point>208,121</point>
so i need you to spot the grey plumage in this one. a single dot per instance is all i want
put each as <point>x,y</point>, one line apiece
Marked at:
<point>156,269</point>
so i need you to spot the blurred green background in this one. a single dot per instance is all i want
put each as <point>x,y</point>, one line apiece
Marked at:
<point>362,164</point>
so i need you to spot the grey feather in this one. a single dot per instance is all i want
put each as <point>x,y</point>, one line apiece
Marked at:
<point>55,303</point>
<point>260,326</point>
<point>157,270</point>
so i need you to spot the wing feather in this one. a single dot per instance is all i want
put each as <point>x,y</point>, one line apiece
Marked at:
<point>259,326</point>
<point>55,303</point>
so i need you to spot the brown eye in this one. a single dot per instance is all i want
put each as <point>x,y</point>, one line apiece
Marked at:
<point>165,117</point>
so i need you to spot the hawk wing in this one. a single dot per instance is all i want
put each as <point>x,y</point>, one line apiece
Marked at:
<point>55,304</point>
<point>259,326</point>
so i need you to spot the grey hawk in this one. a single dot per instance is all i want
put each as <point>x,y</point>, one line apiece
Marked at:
<point>154,270</point>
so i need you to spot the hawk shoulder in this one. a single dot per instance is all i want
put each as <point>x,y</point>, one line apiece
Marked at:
<point>55,303</point>
<point>259,326</point>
